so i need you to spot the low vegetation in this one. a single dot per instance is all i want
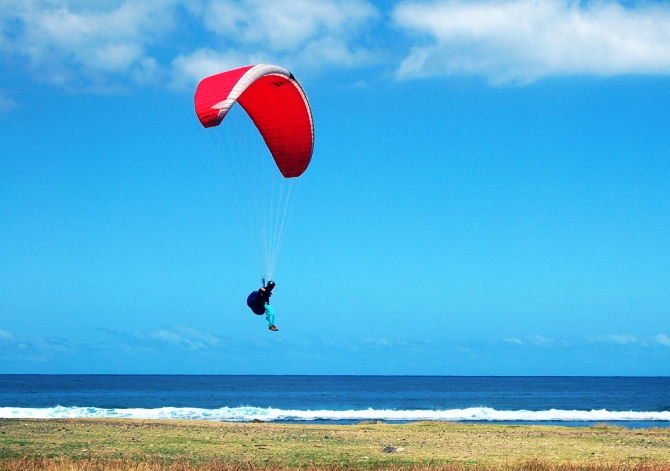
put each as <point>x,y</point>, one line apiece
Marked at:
<point>66,464</point>
<point>151,445</point>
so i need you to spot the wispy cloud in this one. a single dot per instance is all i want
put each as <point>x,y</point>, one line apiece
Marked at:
<point>291,32</point>
<point>6,104</point>
<point>105,350</point>
<point>541,340</point>
<point>181,349</point>
<point>378,342</point>
<point>629,340</point>
<point>190,68</point>
<point>99,44</point>
<point>6,336</point>
<point>663,339</point>
<point>523,40</point>
<point>617,339</point>
<point>69,42</point>
<point>286,25</point>
<point>113,44</point>
<point>185,337</point>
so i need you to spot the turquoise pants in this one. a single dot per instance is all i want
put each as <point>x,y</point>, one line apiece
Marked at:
<point>269,315</point>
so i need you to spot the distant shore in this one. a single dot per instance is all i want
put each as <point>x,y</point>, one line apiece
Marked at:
<point>362,445</point>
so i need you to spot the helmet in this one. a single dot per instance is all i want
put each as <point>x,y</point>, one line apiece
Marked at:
<point>270,285</point>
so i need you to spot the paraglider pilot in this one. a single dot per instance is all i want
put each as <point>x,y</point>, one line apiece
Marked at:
<point>259,302</point>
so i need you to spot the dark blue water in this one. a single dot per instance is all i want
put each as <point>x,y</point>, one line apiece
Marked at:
<point>248,397</point>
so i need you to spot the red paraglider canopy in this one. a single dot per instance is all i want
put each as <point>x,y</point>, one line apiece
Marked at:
<point>275,102</point>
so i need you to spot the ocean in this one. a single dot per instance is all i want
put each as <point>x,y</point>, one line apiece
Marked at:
<point>576,401</point>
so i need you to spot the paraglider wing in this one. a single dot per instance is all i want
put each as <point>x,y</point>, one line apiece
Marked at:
<point>275,102</point>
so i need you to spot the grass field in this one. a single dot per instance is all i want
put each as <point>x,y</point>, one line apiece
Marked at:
<point>42,444</point>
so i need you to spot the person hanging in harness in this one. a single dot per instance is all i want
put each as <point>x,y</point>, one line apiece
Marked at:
<point>259,303</point>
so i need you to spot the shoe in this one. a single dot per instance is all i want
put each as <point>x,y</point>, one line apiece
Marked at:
<point>273,328</point>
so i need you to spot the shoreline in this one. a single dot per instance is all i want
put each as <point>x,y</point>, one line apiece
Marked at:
<point>629,425</point>
<point>480,415</point>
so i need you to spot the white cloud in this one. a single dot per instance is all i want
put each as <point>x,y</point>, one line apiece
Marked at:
<point>361,84</point>
<point>288,32</point>
<point>69,42</point>
<point>616,339</point>
<point>380,342</point>
<point>334,51</point>
<point>512,340</point>
<point>663,339</point>
<point>191,68</point>
<point>4,335</point>
<point>102,42</point>
<point>6,104</point>
<point>622,339</point>
<point>201,336</point>
<point>523,40</point>
<point>286,25</point>
<point>185,337</point>
<point>105,42</point>
<point>540,340</point>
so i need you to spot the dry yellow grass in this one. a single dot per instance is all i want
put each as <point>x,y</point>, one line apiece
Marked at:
<point>158,443</point>
<point>90,464</point>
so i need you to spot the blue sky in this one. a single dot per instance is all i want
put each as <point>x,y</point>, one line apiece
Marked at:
<point>488,193</point>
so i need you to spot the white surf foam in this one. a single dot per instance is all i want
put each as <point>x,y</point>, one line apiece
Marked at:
<point>247,414</point>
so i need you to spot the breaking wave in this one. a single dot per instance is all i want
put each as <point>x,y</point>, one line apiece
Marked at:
<point>248,414</point>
